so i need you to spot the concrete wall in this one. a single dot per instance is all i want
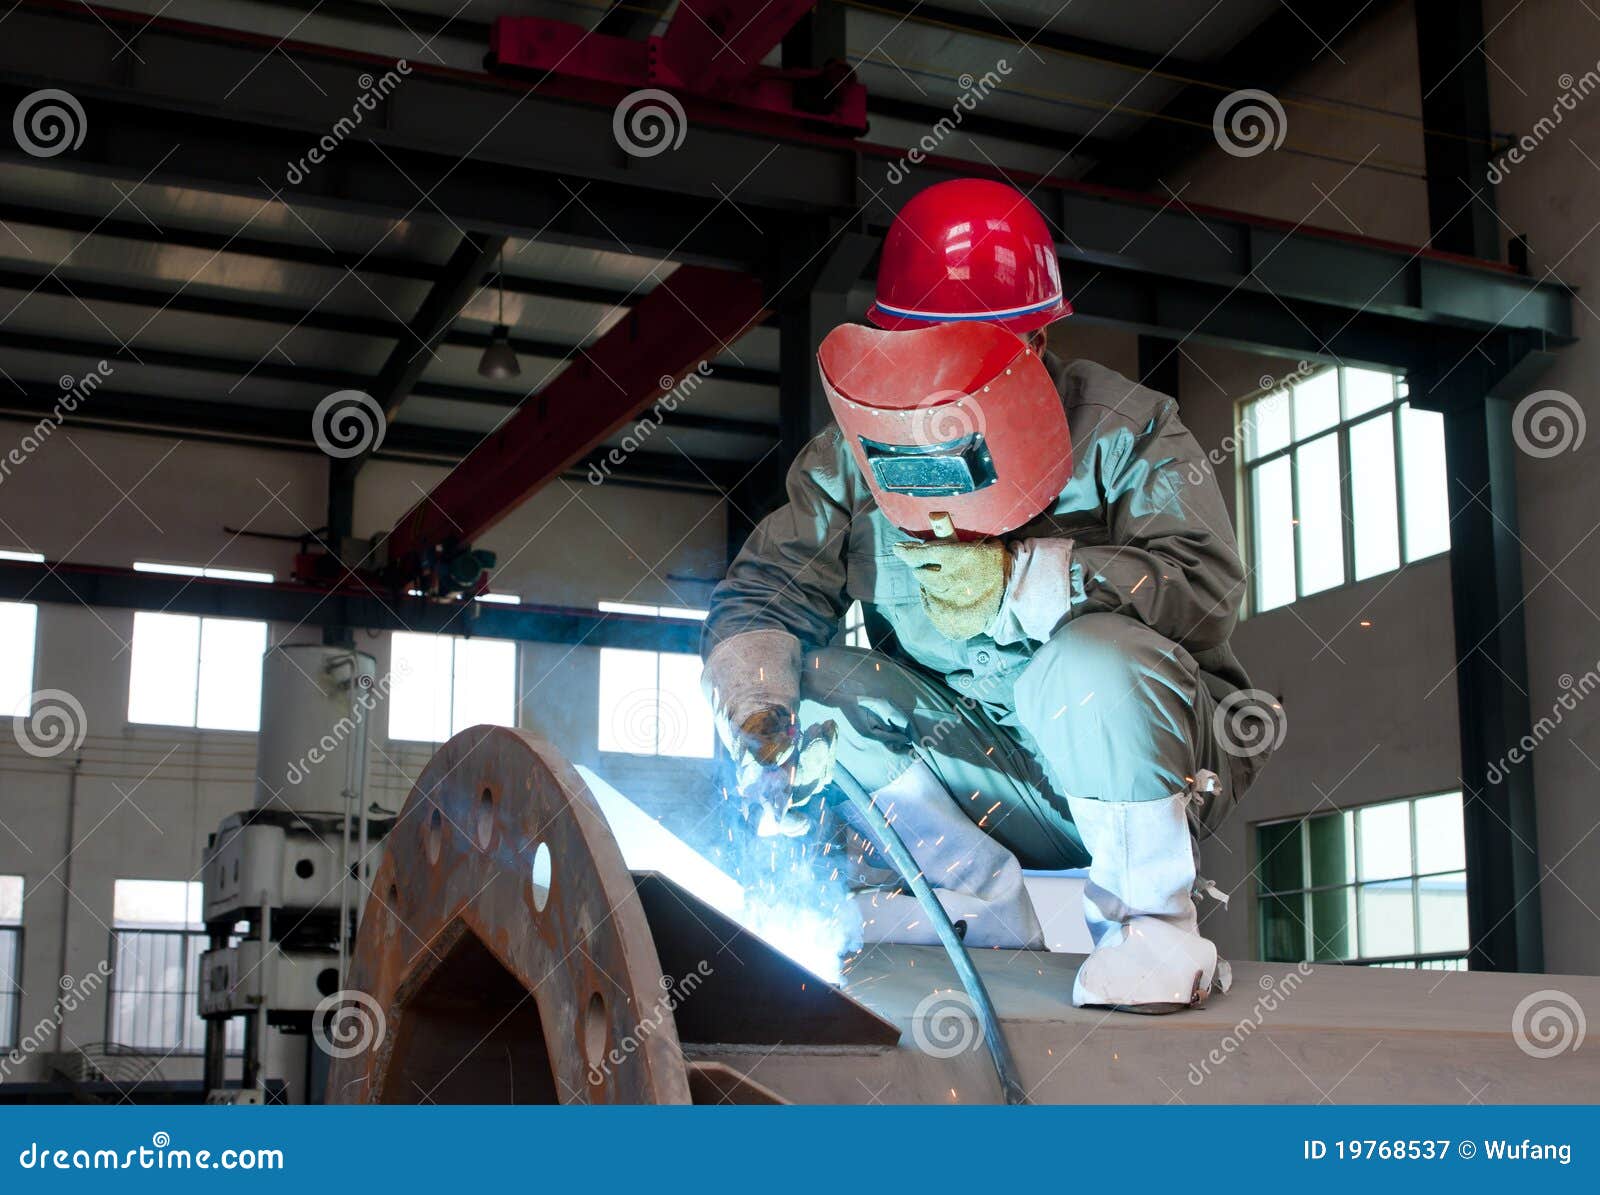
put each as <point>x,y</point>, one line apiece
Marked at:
<point>145,799</point>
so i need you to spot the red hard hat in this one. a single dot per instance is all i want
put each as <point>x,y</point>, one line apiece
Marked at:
<point>969,249</point>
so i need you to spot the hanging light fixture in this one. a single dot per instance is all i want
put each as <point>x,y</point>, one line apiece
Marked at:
<point>499,360</point>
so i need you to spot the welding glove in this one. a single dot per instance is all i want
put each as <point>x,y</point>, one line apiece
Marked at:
<point>752,680</point>
<point>963,583</point>
<point>784,790</point>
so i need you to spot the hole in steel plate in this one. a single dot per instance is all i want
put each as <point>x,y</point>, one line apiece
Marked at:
<point>539,877</point>
<point>594,1030</point>
<point>433,835</point>
<point>485,819</point>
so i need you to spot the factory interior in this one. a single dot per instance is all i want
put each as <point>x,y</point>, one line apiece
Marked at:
<point>470,634</point>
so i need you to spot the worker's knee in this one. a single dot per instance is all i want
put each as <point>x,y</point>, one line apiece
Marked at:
<point>1112,704</point>
<point>1100,656</point>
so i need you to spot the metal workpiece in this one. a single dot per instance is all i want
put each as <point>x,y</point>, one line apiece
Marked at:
<point>505,945</point>
<point>507,954</point>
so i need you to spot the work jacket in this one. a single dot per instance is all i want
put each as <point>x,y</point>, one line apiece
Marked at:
<point>1140,529</point>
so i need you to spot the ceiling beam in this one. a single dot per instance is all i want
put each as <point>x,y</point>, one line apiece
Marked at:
<point>240,424</point>
<point>634,19</point>
<point>1269,57</point>
<point>62,284</point>
<point>387,266</point>
<point>928,115</point>
<point>456,287</point>
<point>690,317</point>
<point>989,24</point>
<point>1129,251</point>
<point>308,375</point>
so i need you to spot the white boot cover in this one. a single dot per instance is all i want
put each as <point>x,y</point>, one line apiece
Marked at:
<point>1139,902</point>
<point>977,880</point>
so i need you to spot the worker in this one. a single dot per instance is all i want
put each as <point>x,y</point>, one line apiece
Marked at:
<point>1041,698</point>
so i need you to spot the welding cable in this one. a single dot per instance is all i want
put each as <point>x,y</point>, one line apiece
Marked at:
<point>894,846</point>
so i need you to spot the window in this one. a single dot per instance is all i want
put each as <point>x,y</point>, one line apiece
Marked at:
<point>157,937</point>
<point>650,701</point>
<point>194,570</point>
<point>201,672</point>
<point>1344,480</point>
<point>1383,884</point>
<point>855,627</point>
<point>442,684</point>
<point>19,623</point>
<point>10,960</point>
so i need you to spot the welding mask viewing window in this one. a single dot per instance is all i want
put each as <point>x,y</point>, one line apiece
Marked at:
<point>957,428</point>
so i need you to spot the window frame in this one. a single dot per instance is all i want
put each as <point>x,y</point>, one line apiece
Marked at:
<point>661,613</point>
<point>200,620</point>
<point>11,1034</point>
<point>1416,958</point>
<point>398,679</point>
<point>1393,411</point>
<point>32,679</point>
<point>196,939</point>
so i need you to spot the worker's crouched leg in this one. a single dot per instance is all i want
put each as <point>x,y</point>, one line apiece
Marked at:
<point>904,738</point>
<point>1113,706</point>
<point>1120,714</point>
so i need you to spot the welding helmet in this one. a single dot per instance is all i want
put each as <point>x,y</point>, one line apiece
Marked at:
<point>957,428</point>
<point>969,250</point>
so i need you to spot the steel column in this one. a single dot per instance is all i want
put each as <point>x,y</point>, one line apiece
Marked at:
<point>1503,909</point>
